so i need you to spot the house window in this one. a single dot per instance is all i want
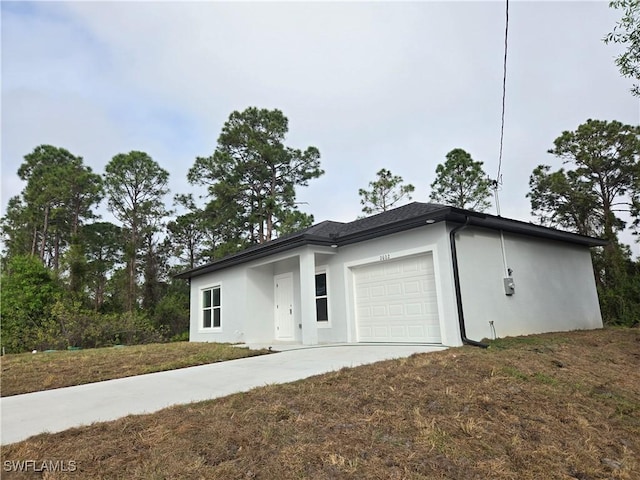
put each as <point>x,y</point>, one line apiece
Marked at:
<point>211,308</point>
<point>322,307</point>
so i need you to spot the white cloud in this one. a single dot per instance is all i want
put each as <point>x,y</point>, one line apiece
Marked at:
<point>373,84</point>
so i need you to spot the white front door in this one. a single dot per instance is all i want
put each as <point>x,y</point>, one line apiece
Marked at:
<point>284,322</point>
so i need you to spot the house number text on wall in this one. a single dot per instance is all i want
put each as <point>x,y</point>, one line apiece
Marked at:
<point>385,256</point>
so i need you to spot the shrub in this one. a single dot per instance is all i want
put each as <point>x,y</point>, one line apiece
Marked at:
<point>90,329</point>
<point>172,313</point>
<point>180,337</point>
<point>28,291</point>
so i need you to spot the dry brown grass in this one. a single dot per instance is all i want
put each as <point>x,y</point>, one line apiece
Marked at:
<point>557,406</point>
<point>26,372</point>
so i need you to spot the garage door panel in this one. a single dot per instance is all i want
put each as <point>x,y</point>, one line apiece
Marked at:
<point>381,331</point>
<point>391,269</point>
<point>396,310</point>
<point>394,289</point>
<point>396,301</point>
<point>416,331</point>
<point>413,286</point>
<point>380,311</point>
<point>398,333</point>
<point>415,309</point>
<point>363,292</point>
<point>409,268</point>
<point>377,291</point>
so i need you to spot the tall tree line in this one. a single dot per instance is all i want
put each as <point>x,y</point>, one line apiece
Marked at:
<point>593,193</point>
<point>118,277</point>
<point>91,268</point>
<point>71,277</point>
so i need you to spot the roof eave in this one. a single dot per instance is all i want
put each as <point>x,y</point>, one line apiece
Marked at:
<point>447,214</point>
<point>524,228</point>
<point>254,254</point>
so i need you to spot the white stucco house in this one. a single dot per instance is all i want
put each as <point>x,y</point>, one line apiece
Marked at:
<point>420,273</point>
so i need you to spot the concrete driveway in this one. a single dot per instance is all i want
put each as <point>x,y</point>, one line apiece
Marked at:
<point>55,410</point>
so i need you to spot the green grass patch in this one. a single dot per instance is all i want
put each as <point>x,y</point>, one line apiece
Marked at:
<point>515,373</point>
<point>544,378</point>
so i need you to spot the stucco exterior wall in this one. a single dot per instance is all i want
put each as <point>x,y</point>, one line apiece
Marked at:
<point>335,330</point>
<point>554,285</point>
<point>233,288</point>
<point>430,238</point>
<point>258,323</point>
<point>248,289</point>
<point>247,300</point>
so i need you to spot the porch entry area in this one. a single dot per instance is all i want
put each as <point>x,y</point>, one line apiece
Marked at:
<point>283,298</point>
<point>394,300</point>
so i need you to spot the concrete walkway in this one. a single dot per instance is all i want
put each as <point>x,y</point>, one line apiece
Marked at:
<point>55,410</point>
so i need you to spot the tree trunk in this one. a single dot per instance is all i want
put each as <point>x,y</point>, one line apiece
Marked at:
<point>45,227</point>
<point>131,300</point>
<point>192,253</point>
<point>271,206</point>
<point>76,222</point>
<point>132,281</point>
<point>56,251</point>
<point>269,227</point>
<point>34,241</point>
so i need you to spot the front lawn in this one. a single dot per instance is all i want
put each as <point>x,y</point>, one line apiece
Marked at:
<point>555,407</point>
<point>32,372</point>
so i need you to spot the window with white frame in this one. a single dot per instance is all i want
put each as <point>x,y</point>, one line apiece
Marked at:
<point>211,307</point>
<point>322,305</point>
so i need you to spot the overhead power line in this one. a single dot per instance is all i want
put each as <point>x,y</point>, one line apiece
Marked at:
<point>504,91</point>
<point>498,182</point>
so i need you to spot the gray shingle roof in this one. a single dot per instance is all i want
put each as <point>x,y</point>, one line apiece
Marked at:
<point>396,220</point>
<point>335,230</point>
<point>406,212</point>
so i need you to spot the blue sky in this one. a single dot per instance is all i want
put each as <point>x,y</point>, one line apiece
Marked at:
<point>371,84</point>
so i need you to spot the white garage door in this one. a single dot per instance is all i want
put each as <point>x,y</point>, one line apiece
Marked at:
<point>396,301</point>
